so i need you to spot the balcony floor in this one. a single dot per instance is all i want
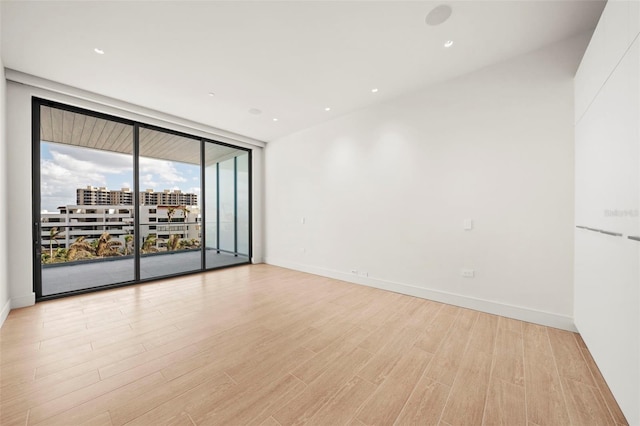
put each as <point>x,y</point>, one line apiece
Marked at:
<point>82,275</point>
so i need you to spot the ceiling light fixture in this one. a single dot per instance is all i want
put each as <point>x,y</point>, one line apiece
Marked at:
<point>211,94</point>
<point>99,51</point>
<point>327,109</point>
<point>438,15</point>
<point>275,119</point>
<point>255,111</point>
<point>448,43</point>
<point>375,90</point>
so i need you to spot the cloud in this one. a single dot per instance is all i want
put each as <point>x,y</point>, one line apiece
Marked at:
<point>163,174</point>
<point>69,168</point>
<point>91,159</point>
<point>64,168</point>
<point>58,184</point>
<point>147,182</point>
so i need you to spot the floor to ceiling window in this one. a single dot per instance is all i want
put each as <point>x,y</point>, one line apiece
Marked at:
<point>119,202</point>
<point>170,204</point>
<point>227,200</point>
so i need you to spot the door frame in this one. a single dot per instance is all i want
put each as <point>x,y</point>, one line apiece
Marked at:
<point>137,125</point>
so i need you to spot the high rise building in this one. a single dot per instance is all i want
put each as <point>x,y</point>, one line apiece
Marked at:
<point>92,196</point>
<point>168,198</point>
<point>101,196</point>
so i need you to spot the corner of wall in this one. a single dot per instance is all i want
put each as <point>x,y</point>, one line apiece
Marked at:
<point>5,301</point>
<point>4,313</point>
<point>23,301</point>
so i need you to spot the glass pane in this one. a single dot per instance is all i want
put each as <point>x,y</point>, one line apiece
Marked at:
<point>86,175</point>
<point>243,203</point>
<point>170,212</point>
<point>211,202</point>
<point>227,205</point>
<point>227,184</point>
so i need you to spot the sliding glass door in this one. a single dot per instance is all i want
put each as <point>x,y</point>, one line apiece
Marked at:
<point>86,220</point>
<point>118,202</point>
<point>169,210</point>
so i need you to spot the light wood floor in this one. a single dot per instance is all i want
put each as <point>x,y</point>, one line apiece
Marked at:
<point>269,346</point>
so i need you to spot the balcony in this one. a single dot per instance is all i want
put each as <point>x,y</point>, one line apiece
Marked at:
<point>77,259</point>
<point>85,274</point>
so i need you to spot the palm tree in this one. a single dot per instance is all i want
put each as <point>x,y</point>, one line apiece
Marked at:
<point>149,244</point>
<point>128,244</point>
<point>173,243</point>
<point>171,211</point>
<point>54,234</point>
<point>107,247</point>
<point>185,228</point>
<point>80,249</point>
<point>61,255</point>
<point>185,212</point>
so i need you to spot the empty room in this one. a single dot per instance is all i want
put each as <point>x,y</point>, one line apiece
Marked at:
<point>320,212</point>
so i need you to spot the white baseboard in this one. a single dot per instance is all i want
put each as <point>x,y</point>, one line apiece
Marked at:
<point>23,301</point>
<point>5,312</point>
<point>522,313</point>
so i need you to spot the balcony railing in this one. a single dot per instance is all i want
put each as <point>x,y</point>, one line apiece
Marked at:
<point>66,243</point>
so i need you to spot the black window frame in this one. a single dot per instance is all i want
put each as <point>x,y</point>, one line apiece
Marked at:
<point>36,104</point>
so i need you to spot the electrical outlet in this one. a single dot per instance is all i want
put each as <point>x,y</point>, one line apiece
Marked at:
<point>354,271</point>
<point>364,274</point>
<point>468,273</point>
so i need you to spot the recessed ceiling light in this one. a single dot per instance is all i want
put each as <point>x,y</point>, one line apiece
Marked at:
<point>211,94</point>
<point>448,43</point>
<point>255,111</point>
<point>99,51</point>
<point>438,15</point>
<point>375,90</point>
<point>327,109</point>
<point>275,119</point>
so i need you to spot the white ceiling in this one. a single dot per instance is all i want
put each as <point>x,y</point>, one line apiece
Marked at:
<point>289,59</point>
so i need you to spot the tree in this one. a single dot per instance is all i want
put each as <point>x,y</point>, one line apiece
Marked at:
<point>185,227</point>
<point>185,212</point>
<point>171,211</point>
<point>173,243</point>
<point>54,234</point>
<point>80,249</point>
<point>128,245</point>
<point>149,244</point>
<point>107,247</point>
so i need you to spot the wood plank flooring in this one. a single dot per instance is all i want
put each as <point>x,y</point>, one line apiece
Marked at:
<point>263,345</point>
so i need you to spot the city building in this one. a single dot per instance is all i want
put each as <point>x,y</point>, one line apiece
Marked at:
<point>60,230</point>
<point>168,197</point>
<point>91,196</point>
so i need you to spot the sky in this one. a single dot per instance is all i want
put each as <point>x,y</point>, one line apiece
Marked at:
<point>64,168</point>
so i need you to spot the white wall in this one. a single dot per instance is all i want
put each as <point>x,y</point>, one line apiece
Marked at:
<point>5,303</point>
<point>19,97</point>
<point>607,269</point>
<point>386,191</point>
